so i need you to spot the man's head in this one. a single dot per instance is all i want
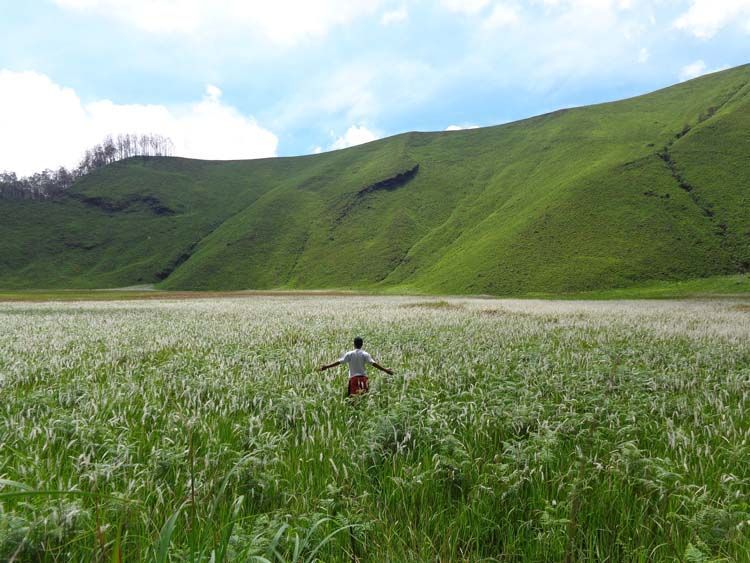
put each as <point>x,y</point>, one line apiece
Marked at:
<point>358,342</point>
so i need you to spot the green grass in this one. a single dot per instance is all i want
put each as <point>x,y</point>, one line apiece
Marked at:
<point>60,295</point>
<point>201,431</point>
<point>737,286</point>
<point>586,199</point>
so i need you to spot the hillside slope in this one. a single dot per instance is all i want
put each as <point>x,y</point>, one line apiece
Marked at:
<point>654,187</point>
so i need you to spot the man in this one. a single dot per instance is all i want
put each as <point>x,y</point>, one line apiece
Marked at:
<point>357,359</point>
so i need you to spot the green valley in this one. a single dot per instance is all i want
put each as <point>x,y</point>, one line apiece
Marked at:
<point>650,189</point>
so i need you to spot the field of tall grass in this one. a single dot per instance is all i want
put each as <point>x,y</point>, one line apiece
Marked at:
<point>201,430</point>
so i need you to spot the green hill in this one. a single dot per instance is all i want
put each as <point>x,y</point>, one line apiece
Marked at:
<point>651,188</point>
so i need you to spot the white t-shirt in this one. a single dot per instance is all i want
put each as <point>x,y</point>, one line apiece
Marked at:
<point>356,359</point>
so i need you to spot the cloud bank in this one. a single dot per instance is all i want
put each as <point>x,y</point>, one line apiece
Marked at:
<point>46,125</point>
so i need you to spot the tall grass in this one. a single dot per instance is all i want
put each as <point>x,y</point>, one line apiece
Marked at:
<point>512,431</point>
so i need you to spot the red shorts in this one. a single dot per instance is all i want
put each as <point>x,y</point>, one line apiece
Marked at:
<point>358,384</point>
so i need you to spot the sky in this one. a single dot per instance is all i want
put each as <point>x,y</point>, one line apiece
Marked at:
<point>231,79</point>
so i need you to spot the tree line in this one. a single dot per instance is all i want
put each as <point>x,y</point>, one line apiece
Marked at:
<point>49,183</point>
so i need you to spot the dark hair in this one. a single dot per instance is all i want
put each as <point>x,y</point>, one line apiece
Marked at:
<point>358,342</point>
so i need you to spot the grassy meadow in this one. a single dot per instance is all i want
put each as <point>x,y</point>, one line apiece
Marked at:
<point>200,430</point>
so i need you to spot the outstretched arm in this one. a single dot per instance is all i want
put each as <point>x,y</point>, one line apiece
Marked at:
<point>389,371</point>
<point>329,366</point>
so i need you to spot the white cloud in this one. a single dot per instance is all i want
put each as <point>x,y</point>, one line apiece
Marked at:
<point>461,127</point>
<point>350,90</point>
<point>359,92</point>
<point>705,18</point>
<point>469,7</point>
<point>696,69</point>
<point>355,135</point>
<point>45,125</point>
<point>693,70</point>
<point>281,21</point>
<point>551,41</point>
<point>213,93</point>
<point>399,15</point>
<point>643,55</point>
<point>502,15</point>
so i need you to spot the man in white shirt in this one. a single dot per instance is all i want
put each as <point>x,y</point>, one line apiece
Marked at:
<point>357,359</point>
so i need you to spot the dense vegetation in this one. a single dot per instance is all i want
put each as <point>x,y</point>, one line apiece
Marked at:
<point>651,188</point>
<point>201,431</point>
